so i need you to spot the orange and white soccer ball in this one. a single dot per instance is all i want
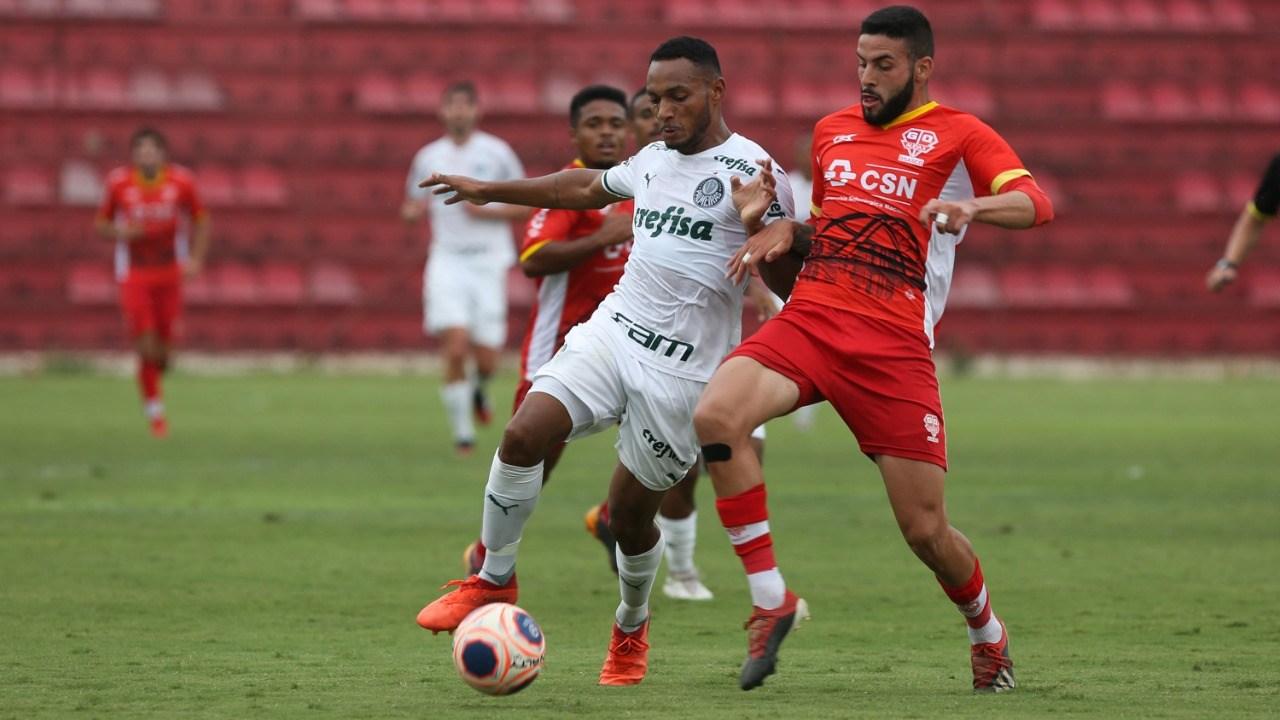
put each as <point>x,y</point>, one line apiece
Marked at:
<point>498,649</point>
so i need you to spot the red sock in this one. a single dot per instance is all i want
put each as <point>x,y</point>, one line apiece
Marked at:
<point>480,551</point>
<point>971,598</point>
<point>746,518</point>
<point>149,380</point>
<point>604,512</point>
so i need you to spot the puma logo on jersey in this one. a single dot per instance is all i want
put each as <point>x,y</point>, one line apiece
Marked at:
<point>673,221</point>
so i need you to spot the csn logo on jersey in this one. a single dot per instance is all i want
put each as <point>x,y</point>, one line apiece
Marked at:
<point>917,142</point>
<point>709,193</point>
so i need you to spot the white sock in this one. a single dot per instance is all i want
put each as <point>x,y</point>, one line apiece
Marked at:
<point>804,416</point>
<point>989,633</point>
<point>768,590</point>
<point>681,536</point>
<point>636,574</point>
<point>154,409</point>
<point>509,499</point>
<point>457,405</point>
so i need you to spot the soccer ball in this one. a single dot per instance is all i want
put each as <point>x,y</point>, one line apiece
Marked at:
<point>498,649</point>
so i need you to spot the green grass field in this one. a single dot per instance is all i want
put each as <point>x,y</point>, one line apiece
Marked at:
<point>268,559</point>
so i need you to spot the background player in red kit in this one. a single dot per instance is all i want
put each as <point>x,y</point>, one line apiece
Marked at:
<point>893,192</point>
<point>143,212</point>
<point>574,256</point>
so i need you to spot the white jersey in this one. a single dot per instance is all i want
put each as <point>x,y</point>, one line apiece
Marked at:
<point>674,309</point>
<point>484,157</point>
<point>802,191</point>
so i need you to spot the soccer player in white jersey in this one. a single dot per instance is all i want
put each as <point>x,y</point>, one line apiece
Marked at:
<point>464,286</point>
<point>642,359</point>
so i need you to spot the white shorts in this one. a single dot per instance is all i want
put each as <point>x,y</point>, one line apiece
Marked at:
<point>469,292</point>
<point>602,385</point>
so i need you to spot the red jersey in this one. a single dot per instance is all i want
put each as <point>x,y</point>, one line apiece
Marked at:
<point>156,205</point>
<point>870,253</point>
<point>568,298</point>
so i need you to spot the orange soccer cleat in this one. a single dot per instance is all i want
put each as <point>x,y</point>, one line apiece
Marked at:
<point>448,610</point>
<point>628,657</point>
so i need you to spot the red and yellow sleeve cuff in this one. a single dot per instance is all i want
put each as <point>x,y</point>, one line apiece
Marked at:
<point>529,251</point>
<point>1003,178</point>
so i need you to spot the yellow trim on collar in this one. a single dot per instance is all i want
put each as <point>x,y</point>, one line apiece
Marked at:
<point>911,114</point>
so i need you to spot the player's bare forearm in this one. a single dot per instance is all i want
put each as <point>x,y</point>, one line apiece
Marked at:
<point>575,189</point>
<point>499,211</point>
<point>1013,210</point>
<point>200,239</point>
<point>780,273</point>
<point>106,228</point>
<point>555,257</point>
<point>1244,236</point>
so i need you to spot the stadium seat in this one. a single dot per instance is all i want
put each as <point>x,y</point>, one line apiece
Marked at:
<point>80,183</point>
<point>235,284</point>
<point>197,91</point>
<point>149,90</point>
<point>282,284</point>
<point>29,186</point>
<point>91,284</point>
<point>263,186</point>
<point>379,93</point>
<point>217,186</point>
<point>1198,192</point>
<point>332,284</point>
<point>23,89</point>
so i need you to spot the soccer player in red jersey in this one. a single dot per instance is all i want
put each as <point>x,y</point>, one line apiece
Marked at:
<point>894,186</point>
<point>143,211</point>
<point>574,256</point>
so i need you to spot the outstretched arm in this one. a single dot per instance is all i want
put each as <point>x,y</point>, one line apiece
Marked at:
<point>1244,236</point>
<point>575,189</point>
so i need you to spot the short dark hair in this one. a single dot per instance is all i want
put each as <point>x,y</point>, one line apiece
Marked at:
<point>695,50</point>
<point>148,133</point>
<point>902,22</point>
<point>466,87</point>
<point>641,93</point>
<point>595,92</point>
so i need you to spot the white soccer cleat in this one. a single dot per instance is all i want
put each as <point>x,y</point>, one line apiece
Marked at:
<point>685,586</point>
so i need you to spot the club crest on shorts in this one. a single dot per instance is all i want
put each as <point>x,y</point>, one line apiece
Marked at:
<point>933,426</point>
<point>709,193</point>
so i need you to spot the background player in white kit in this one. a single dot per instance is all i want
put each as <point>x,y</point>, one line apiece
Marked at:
<point>645,355</point>
<point>464,286</point>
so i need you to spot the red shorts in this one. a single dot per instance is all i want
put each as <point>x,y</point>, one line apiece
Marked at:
<point>151,305</point>
<point>879,376</point>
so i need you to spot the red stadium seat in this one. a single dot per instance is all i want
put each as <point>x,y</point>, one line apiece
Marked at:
<point>217,186</point>
<point>235,284</point>
<point>263,186</point>
<point>332,284</point>
<point>282,284</point>
<point>91,284</point>
<point>29,186</point>
<point>379,93</point>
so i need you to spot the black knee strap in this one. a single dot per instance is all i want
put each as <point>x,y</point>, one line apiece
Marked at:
<point>716,452</point>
